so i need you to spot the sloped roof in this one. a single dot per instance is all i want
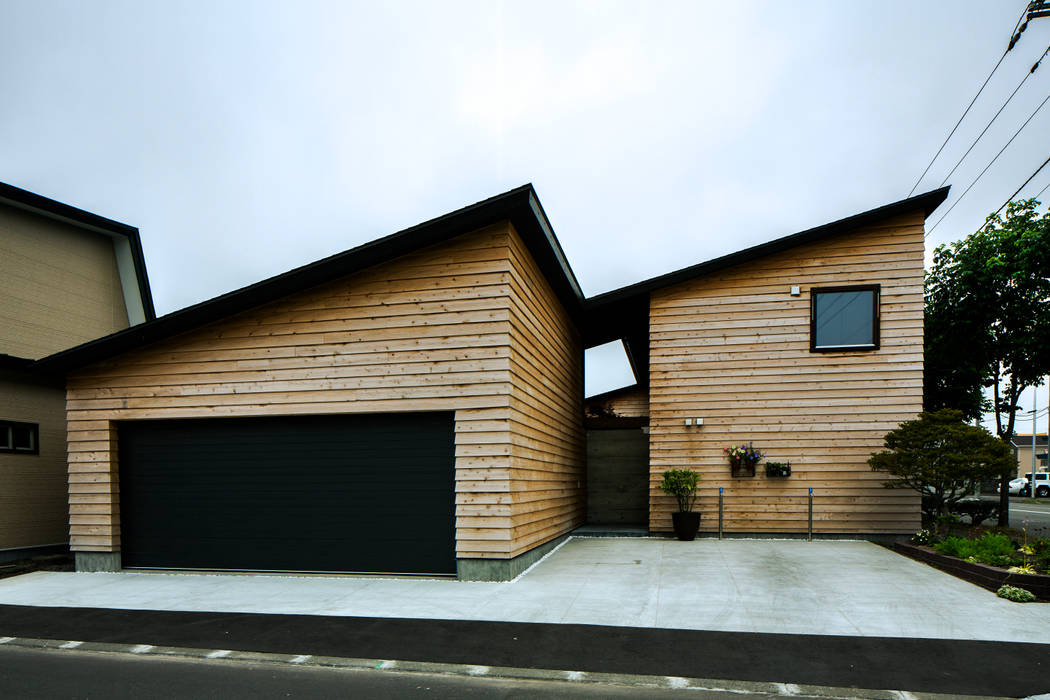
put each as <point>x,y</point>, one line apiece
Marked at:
<point>51,209</point>
<point>607,315</point>
<point>520,206</point>
<point>619,314</point>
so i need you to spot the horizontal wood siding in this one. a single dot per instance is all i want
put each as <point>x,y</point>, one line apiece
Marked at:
<point>629,404</point>
<point>548,450</point>
<point>733,349</point>
<point>428,331</point>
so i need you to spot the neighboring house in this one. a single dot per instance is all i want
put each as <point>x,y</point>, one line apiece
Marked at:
<point>1023,452</point>
<point>414,405</point>
<point>66,277</point>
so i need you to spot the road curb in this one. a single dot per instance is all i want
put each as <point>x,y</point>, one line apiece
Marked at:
<point>499,672</point>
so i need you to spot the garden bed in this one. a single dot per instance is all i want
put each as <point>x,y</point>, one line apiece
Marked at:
<point>985,576</point>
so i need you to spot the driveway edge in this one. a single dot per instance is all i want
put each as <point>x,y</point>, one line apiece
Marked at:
<point>768,689</point>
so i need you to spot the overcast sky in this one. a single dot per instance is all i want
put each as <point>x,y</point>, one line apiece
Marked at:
<point>244,139</point>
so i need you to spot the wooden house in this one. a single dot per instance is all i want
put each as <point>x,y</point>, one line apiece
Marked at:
<point>415,405</point>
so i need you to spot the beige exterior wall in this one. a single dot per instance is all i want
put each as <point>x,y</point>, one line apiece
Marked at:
<point>33,487</point>
<point>1024,458</point>
<point>733,348</point>
<point>59,285</point>
<point>444,329</point>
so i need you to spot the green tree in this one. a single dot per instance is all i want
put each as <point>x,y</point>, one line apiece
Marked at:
<point>941,457</point>
<point>988,320</point>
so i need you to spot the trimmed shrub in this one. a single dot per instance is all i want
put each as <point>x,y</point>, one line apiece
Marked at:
<point>1017,595</point>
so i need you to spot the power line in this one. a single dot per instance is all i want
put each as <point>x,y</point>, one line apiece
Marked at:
<point>979,176</point>
<point>1040,194</point>
<point>1011,197</point>
<point>1028,75</point>
<point>1014,37</point>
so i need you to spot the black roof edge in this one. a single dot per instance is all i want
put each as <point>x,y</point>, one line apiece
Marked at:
<point>520,206</point>
<point>639,291</point>
<point>52,209</point>
<point>12,362</point>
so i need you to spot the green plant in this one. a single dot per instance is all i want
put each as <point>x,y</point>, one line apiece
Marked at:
<point>682,484</point>
<point>941,457</point>
<point>992,549</point>
<point>924,536</point>
<point>778,468</point>
<point>1017,595</point>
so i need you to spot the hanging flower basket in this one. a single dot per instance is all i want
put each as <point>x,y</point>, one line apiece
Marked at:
<point>742,459</point>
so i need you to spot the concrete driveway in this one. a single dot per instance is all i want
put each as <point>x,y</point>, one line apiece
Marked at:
<point>782,586</point>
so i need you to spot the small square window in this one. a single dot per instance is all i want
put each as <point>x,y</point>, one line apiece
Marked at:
<point>19,437</point>
<point>844,319</point>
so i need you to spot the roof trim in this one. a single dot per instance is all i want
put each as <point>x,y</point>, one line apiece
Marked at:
<point>613,393</point>
<point>57,211</point>
<point>519,206</point>
<point>618,301</point>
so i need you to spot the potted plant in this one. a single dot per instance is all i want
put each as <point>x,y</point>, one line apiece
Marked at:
<point>742,459</point>
<point>682,484</point>
<point>778,468</point>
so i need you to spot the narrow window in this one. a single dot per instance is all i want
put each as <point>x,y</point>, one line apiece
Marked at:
<point>844,318</point>
<point>19,437</point>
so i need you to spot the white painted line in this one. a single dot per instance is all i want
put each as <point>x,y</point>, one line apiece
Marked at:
<point>1020,510</point>
<point>575,675</point>
<point>478,670</point>
<point>70,645</point>
<point>386,665</point>
<point>5,640</point>
<point>677,682</point>
<point>141,648</point>
<point>905,695</point>
<point>788,689</point>
<point>217,654</point>
<point>301,659</point>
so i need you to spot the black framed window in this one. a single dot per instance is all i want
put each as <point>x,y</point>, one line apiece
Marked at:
<point>19,437</point>
<point>843,319</point>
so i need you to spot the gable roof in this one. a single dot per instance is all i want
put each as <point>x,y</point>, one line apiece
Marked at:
<point>48,208</point>
<point>520,206</point>
<point>624,312</point>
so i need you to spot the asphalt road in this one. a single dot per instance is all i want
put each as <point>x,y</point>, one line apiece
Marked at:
<point>1035,511</point>
<point>32,674</point>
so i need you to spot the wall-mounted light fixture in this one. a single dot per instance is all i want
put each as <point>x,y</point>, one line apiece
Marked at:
<point>796,290</point>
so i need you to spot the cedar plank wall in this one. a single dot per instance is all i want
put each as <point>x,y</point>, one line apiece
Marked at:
<point>632,404</point>
<point>548,457</point>
<point>429,331</point>
<point>733,348</point>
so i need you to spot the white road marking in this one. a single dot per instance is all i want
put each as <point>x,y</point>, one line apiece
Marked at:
<point>575,675</point>
<point>301,658</point>
<point>478,670</point>
<point>788,689</point>
<point>386,665</point>
<point>218,654</point>
<point>141,648</point>
<point>70,645</point>
<point>5,640</point>
<point>677,682</point>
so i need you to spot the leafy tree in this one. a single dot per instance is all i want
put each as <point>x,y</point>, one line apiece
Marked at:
<point>988,320</point>
<point>941,457</point>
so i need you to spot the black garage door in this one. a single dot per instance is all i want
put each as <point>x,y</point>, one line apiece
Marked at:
<point>305,493</point>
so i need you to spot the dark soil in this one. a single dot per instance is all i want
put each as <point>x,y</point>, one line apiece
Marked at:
<point>44,562</point>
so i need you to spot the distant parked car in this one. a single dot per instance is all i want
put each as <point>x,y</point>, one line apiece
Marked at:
<point>1016,486</point>
<point>1042,484</point>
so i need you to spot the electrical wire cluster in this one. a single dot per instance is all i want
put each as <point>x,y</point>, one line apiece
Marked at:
<point>1032,10</point>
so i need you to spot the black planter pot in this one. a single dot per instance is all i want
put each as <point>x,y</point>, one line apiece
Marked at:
<point>686,525</point>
